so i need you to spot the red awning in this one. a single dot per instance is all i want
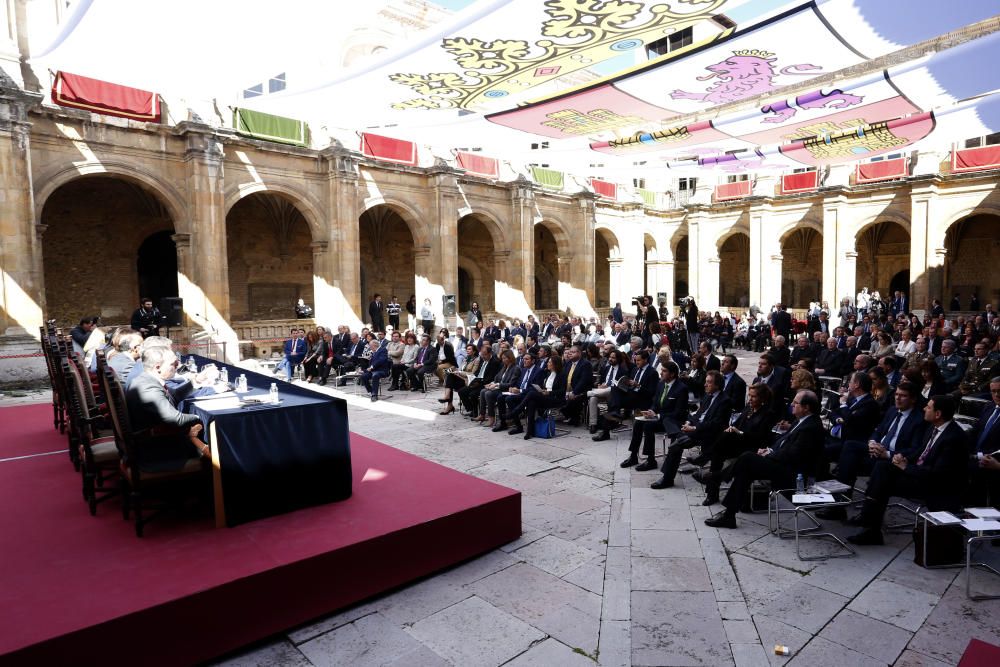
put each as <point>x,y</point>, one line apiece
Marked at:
<point>805,181</point>
<point>479,165</point>
<point>732,190</point>
<point>975,159</point>
<point>80,92</point>
<point>604,188</point>
<point>388,149</point>
<point>884,170</point>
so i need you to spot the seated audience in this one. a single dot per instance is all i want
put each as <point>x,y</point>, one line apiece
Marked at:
<point>666,414</point>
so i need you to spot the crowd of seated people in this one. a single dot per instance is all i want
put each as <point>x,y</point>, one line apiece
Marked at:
<point>875,394</point>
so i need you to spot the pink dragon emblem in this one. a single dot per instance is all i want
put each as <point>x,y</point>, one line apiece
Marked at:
<point>750,72</point>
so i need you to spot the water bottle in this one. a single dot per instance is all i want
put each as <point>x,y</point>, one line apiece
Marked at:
<point>224,375</point>
<point>241,383</point>
<point>192,365</point>
<point>274,398</point>
<point>800,484</point>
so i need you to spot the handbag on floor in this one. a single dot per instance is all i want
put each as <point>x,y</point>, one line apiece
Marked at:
<point>545,427</point>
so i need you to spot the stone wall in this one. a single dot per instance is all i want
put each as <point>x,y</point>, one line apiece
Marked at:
<point>387,258</point>
<point>269,258</point>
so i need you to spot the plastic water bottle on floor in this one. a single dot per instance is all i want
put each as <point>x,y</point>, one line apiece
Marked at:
<point>274,395</point>
<point>800,484</point>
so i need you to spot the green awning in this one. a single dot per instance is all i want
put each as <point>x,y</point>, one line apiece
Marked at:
<point>648,197</point>
<point>271,128</point>
<point>547,178</point>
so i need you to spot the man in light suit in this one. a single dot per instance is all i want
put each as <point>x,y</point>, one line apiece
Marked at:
<point>172,435</point>
<point>379,367</point>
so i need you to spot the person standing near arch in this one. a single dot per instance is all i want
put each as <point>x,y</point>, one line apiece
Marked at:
<point>375,313</point>
<point>393,309</point>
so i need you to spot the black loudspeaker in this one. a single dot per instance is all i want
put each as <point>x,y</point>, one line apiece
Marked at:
<point>448,305</point>
<point>172,310</point>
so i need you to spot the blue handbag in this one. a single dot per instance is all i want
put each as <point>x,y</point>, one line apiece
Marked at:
<point>545,427</point>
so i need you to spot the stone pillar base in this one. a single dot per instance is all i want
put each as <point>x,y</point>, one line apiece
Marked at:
<point>21,361</point>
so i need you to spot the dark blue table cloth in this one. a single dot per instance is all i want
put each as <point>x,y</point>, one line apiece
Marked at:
<point>277,458</point>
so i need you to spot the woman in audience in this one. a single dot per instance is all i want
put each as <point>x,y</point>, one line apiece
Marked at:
<point>309,363</point>
<point>695,376</point>
<point>454,381</point>
<point>967,346</point>
<point>884,346</point>
<point>427,318</point>
<point>409,355</point>
<point>883,394</point>
<point>934,384</point>
<point>504,331</point>
<point>615,368</point>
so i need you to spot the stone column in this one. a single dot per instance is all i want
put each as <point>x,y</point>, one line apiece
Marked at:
<point>838,268</point>
<point>763,248</point>
<point>580,279</point>
<point>444,242</point>
<point>770,291</point>
<point>709,285</point>
<point>323,291</point>
<point>927,251</point>
<point>666,270</point>
<point>341,299</point>
<point>205,288</point>
<point>615,279</point>
<point>520,292</point>
<point>427,288</point>
<point>565,296</point>
<point>21,288</point>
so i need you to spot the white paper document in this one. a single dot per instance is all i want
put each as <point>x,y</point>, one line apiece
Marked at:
<point>225,403</point>
<point>980,524</point>
<point>984,512</point>
<point>810,498</point>
<point>943,518</point>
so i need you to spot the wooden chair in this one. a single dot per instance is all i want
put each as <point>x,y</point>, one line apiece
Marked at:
<point>50,352</point>
<point>139,487</point>
<point>97,454</point>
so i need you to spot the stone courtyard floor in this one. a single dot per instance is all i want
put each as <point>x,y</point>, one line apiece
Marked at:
<point>610,572</point>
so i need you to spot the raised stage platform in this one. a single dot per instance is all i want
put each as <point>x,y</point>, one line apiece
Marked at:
<point>76,589</point>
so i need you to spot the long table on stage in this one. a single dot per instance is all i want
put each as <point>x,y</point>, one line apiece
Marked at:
<point>271,459</point>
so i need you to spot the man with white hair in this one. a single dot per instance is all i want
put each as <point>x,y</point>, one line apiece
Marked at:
<point>173,437</point>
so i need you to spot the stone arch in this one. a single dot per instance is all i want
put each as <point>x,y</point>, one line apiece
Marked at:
<point>96,224</point>
<point>408,214</point>
<point>171,198</point>
<point>972,259</point>
<point>969,212</point>
<point>492,225</point>
<point>558,231</point>
<point>387,251</point>
<point>734,267</point>
<point>606,277</point>
<point>807,222</point>
<point>883,250</point>
<point>801,248</point>
<point>476,247</point>
<point>269,256</point>
<point>300,199</point>
<point>877,219</point>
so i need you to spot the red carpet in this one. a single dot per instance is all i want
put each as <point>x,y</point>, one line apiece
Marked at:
<point>76,589</point>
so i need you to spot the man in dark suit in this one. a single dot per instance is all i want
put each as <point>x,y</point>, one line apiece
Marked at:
<point>830,360</point>
<point>375,313</point>
<point>934,471</point>
<point>326,358</point>
<point>379,367</point>
<point>489,366</point>
<point>781,321</point>
<point>858,412</point>
<point>776,379</point>
<point>750,432</point>
<point>901,429</point>
<point>666,414</point>
<point>985,461</point>
<point>531,372</point>
<point>780,352</point>
<point>579,380</point>
<point>933,341</point>
<point>173,435</point>
<point>733,385</point>
<point>712,362</point>
<point>802,350</point>
<point>702,428</point>
<point>634,393</point>
<point>492,332</point>
<point>899,304</point>
<point>425,362</point>
<point>796,452</point>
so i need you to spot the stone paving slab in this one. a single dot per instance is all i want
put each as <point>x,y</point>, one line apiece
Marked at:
<point>474,632</point>
<point>899,605</point>
<point>805,607</point>
<point>867,635</point>
<point>371,640</point>
<point>678,628</point>
<point>555,555</point>
<point>669,574</point>
<point>823,653</point>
